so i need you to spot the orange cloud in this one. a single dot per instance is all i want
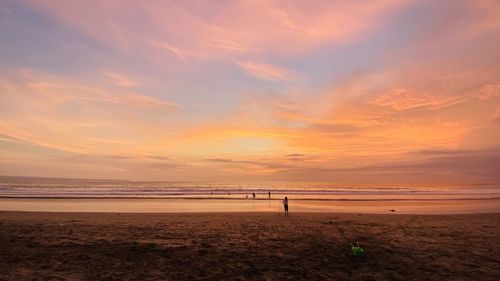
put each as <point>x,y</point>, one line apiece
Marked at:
<point>61,89</point>
<point>403,99</point>
<point>143,101</point>
<point>68,115</point>
<point>396,93</point>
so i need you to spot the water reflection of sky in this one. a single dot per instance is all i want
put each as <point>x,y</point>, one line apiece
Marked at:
<point>201,205</point>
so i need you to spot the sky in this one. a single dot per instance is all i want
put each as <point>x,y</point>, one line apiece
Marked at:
<point>205,90</point>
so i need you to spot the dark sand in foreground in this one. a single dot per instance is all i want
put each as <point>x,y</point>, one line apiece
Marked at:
<point>248,246</point>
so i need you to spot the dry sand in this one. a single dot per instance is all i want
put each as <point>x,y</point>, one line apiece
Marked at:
<point>248,246</point>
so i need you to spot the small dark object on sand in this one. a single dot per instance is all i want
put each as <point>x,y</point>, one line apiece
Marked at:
<point>392,210</point>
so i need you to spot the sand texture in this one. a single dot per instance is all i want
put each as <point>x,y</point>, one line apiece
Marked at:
<point>248,246</point>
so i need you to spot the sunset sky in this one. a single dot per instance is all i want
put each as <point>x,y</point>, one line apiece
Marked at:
<point>342,91</point>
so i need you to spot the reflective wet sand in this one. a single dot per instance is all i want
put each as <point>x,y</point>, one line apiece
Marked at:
<point>249,205</point>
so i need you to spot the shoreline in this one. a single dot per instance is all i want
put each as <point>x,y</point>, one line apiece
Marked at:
<point>251,199</point>
<point>156,205</point>
<point>237,213</point>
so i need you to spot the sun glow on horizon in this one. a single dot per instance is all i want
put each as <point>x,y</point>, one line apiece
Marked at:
<point>390,91</point>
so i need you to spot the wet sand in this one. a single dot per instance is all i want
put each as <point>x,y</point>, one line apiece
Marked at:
<point>248,246</point>
<point>148,205</point>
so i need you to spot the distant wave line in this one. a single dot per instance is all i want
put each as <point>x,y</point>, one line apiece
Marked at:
<point>250,199</point>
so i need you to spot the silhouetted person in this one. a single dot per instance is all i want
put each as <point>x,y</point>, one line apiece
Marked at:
<point>285,205</point>
<point>269,195</point>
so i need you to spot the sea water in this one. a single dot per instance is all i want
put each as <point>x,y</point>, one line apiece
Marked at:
<point>48,194</point>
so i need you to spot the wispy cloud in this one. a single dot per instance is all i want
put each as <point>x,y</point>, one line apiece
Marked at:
<point>178,52</point>
<point>265,71</point>
<point>226,44</point>
<point>121,80</point>
<point>489,91</point>
<point>143,101</point>
<point>63,88</point>
<point>329,90</point>
<point>403,99</point>
<point>281,28</point>
<point>69,115</point>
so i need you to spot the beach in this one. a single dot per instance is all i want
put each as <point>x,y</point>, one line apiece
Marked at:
<point>250,140</point>
<point>247,246</point>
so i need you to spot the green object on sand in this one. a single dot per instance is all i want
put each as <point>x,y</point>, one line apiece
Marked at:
<point>357,251</point>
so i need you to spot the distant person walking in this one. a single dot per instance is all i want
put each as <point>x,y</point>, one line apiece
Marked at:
<point>253,194</point>
<point>269,195</point>
<point>285,205</point>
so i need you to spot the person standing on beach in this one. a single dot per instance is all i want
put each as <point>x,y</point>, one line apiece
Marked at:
<point>285,205</point>
<point>269,195</point>
<point>253,195</point>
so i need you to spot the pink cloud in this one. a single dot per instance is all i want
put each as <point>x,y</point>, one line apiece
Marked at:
<point>265,71</point>
<point>221,30</point>
<point>489,91</point>
<point>121,80</point>
<point>178,52</point>
<point>433,87</point>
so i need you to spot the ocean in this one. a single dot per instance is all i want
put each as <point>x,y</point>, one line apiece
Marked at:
<point>219,196</point>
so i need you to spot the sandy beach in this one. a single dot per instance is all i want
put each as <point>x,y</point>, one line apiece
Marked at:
<point>248,246</point>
